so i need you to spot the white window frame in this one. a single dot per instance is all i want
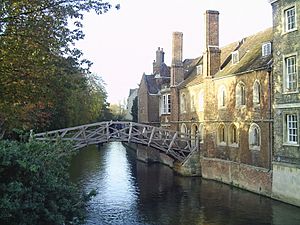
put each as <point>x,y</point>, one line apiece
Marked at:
<point>266,49</point>
<point>254,137</point>
<point>201,100</point>
<point>291,128</point>
<point>222,97</point>
<point>289,19</point>
<point>256,94</point>
<point>235,57</point>
<point>290,77</point>
<point>166,104</point>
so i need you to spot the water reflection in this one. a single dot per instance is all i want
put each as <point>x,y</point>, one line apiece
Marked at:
<point>131,192</point>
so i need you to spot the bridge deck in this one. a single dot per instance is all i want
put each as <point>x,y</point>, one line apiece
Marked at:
<point>177,145</point>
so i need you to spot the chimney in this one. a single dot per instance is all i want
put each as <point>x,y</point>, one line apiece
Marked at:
<point>211,57</point>
<point>177,75</point>
<point>160,55</point>
<point>157,64</point>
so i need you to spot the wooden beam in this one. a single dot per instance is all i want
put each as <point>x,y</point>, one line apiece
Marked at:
<point>151,136</point>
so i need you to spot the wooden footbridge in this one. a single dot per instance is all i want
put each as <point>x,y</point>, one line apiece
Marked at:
<point>178,146</point>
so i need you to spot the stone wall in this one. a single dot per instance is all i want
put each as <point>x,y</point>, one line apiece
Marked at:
<point>286,183</point>
<point>247,177</point>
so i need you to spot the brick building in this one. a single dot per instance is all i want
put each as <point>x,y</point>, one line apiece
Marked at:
<point>149,90</point>
<point>243,102</point>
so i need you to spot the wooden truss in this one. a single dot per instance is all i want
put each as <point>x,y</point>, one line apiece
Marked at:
<point>177,145</point>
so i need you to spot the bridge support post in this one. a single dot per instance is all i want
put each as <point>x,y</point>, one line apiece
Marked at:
<point>191,167</point>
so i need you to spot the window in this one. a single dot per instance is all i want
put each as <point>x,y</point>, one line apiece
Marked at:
<point>166,104</point>
<point>254,137</point>
<point>266,49</point>
<point>291,129</point>
<point>235,57</point>
<point>201,101</point>
<point>183,130</point>
<point>290,19</point>
<point>290,73</point>
<point>193,108</point>
<point>183,103</point>
<point>240,94</point>
<point>256,93</point>
<point>200,69</point>
<point>201,133</point>
<point>233,135</point>
<point>222,96</point>
<point>221,135</point>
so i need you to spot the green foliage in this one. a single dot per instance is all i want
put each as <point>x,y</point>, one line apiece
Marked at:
<point>134,109</point>
<point>34,185</point>
<point>44,82</point>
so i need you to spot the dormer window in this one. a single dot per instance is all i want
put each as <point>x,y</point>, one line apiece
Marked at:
<point>200,69</point>
<point>235,57</point>
<point>266,49</point>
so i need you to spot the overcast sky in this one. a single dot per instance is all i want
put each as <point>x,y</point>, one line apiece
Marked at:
<point>122,43</point>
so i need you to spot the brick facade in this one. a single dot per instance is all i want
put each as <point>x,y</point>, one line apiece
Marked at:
<point>243,102</point>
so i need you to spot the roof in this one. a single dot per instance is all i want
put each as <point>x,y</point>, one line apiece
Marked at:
<point>152,86</point>
<point>250,55</point>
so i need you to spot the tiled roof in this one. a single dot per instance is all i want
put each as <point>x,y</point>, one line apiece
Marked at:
<point>250,58</point>
<point>250,54</point>
<point>152,86</point>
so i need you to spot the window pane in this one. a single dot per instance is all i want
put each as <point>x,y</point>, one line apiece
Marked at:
<point>291,75</point>
<point>290,23</point>
<point>292,128</point>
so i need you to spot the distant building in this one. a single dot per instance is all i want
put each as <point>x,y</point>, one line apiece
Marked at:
<point>132,95</point>
<point>149,90</point>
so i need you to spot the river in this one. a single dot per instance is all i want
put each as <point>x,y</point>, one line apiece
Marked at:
<point>134,193</point>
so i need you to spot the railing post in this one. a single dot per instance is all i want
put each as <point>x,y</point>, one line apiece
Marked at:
<point>107,131</point>
<point>151,136</point>
<point>130,131</point>
<point>172,142</point>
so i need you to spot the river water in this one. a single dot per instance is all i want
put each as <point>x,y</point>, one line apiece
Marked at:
<point>132,192</point>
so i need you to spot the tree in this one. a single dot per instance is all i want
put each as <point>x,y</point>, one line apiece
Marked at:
<point>35,187</point>
<point>134,109</point>
<point>44,81</point>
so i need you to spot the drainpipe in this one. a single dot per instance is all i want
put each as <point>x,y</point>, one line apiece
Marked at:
<point>270,117</point>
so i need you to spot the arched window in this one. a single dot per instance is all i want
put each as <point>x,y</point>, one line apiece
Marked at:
<point>240,94</point>
<point>201,101</point>
<point>201,133</point>
<point>193,108</point>
<point>256,93</point>
<point>222,96</point>
<point>221,135</point>
<point>254,137</point>
<point>194,133</point>
<point>183,130</point>
<point>183,103</point>
<point>233,135</point>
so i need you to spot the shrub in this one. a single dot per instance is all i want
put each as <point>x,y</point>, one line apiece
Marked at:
<point>35,186</point>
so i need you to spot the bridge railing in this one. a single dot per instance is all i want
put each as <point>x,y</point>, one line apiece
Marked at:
<point>175,144</point>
